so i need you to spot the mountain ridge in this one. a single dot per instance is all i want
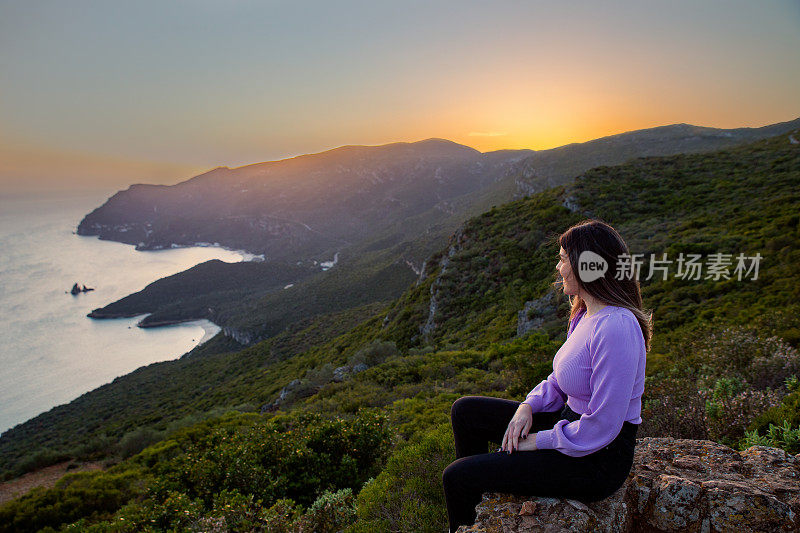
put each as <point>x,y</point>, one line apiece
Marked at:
<point>380,185</point>
<point>394,244</point>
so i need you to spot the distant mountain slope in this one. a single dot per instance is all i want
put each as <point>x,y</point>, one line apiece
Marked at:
<point>549,168</point>
<point>313,205</point>
<point>299,208</point>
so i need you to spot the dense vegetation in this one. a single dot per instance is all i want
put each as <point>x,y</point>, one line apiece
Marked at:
<point>258,300</point>
<point>724,364</point>
<point>207,290</point>
<point>225,468</point>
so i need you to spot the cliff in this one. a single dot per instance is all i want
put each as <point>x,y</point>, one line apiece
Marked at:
<point>675,485</point>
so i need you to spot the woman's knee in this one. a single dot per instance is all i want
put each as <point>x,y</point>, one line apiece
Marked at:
<point>455,407</point>
<point>461,405</point>
<point>449,474</point>
<point>455,473</point>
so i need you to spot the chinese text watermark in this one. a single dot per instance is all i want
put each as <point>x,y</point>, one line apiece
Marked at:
<point>592,266</point>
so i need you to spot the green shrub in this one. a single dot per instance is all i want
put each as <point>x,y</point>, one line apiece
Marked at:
<point>281,517</point>
<point>331,512</point>
<point>744,354</point>
<point>77,495</point>
<point>233,511</point>
<point>137,440</point>
<point>407,496</point>
<point>787,412</point>
<point>784,436</point>
<point>298,458</point>
<point>526,361</point>
<point>731,406</point>
<point>176,511</point>
<point>374,353</point>
<point>672,407</point>
<point>318,377</point>
<point>40,459</point>
<point>727,378</point>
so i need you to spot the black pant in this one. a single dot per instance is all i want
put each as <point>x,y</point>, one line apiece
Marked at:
<point>476,420</point>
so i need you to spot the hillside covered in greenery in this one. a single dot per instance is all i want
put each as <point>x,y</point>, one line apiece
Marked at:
<point>342,420</point>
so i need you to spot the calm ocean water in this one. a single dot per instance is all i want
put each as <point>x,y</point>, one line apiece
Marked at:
<point>50,352</point>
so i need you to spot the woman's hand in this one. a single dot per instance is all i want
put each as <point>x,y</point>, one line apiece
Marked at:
<point>518,427</point>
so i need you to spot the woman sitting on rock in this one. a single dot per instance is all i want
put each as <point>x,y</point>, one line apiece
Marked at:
<point>585,415</point>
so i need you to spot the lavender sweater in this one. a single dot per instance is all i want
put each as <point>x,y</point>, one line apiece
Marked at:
<point>599,373</point>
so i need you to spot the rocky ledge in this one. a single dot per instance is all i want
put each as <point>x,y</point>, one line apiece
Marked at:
<point>675,485</point>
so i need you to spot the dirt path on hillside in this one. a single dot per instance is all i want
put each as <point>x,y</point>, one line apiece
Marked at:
<point>45,477</point>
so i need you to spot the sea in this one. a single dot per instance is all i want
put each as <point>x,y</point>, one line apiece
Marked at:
<point>50,351</point>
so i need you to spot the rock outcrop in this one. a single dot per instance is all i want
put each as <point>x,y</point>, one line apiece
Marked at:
<point>77,289</point>
<point>456,244</point>
<point>675,485</point>
<point>245,338</point>
<point>534,312</point>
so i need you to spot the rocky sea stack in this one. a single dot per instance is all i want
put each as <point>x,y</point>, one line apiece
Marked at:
<point>76,289</point>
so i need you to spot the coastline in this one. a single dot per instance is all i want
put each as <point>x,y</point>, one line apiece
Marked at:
<point>245,254</point>
<point>52,354</point>
<point>210,329</point>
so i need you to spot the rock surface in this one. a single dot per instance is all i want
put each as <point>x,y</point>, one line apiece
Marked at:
<point>534,312</point>
<point>675,485</point>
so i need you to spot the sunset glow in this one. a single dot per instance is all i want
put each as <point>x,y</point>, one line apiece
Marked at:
<point>149,91</point>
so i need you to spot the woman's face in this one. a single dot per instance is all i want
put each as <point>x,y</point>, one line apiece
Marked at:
<point>570,286</point>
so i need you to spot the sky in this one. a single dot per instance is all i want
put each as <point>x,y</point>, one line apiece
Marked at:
<point>107,93</point>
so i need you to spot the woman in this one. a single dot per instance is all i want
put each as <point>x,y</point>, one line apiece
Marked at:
<point>574,434</point>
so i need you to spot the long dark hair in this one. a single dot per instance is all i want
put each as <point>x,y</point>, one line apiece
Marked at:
<point>598,237</point>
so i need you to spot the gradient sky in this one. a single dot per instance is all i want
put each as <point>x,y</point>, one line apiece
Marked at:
<point>115,92</point>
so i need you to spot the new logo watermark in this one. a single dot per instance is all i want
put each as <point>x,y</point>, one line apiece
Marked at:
<point>591,266</point>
